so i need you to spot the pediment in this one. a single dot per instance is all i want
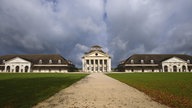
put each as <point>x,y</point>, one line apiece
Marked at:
<point>174,59</point>
<point>96,54</point>
<point>17,60</point>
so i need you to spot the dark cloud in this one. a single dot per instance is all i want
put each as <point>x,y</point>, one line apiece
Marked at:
<point>70,27</point>
<point>148,26</point>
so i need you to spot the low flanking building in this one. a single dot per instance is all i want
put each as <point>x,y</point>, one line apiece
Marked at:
<point>36,63</point>
<point>96,60</point>
<point>157,63</point>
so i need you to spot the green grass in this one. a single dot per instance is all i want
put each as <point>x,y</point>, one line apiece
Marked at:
<point>26,90</point>
<point>172,89</point>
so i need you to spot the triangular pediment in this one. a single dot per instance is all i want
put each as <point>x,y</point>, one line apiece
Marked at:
<point>174,59</point>
<point>97,54</point>
<point>17,60</point>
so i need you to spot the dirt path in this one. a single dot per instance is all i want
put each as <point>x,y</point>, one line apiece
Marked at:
<point>99,91</point>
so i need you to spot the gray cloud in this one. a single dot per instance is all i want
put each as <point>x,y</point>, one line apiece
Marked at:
<point>148,26</point>
<point>70,27</point>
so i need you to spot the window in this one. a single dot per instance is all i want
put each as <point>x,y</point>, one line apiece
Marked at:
<point>87,61</point>
<point>59,61</point>
<point>165,68</point>
<point>142,61</point>
<point>184,68</point>
<point>40,62</point>
<point>152,61</point>
<point>3,61</point>
<point>101,62</point>
<point>174,68</point>
<point>26,68</point>
<point>132,61</point>
<point>96,61</point>
<point>96,54</point>
<point>91,61</point>
<point>101,69</point>
<point>188,61</point>
<point>50,61</point>
<point>105,61</point>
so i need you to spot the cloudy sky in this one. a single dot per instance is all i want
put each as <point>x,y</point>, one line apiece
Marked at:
<point>70,27</point>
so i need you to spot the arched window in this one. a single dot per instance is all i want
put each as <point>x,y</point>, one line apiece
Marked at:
<point>50,61</point>
<point>59,61</point>
<point>142,61</point>
<point>132,61</point>
<point>184,68</point>
<point>40,62</point>
<point>165,68</point>
<point>152,61</point>
<point>174,68</point>
<point>143,70</point>
<point>17,69</point>
<point>8,69</point>
<point>26,68</point>
<point>132,70</point>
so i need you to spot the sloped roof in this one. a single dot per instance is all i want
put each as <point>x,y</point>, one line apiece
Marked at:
<point>96,46</point>
<point>34,58</point>
<point>158,58</point>
<point>94,51</point>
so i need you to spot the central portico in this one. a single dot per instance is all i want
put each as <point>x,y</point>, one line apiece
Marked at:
<point>96,60</point>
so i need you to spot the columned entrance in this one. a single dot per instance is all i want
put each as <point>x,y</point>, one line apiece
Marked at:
<point>96,60</point>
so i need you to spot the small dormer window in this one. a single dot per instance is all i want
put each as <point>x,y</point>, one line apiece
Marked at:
<point>50,61</point>
<point>152,61</point>
<point>132,61</point>
<point>188,61</point>
<point>142,61</point>
<point>40,62</point>
<point>59,61</point>
<point>3,61</point>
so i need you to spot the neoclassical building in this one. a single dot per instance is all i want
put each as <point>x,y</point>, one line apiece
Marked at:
<point>36,63</point>
<point>157,63</point>
<point>96,60</point>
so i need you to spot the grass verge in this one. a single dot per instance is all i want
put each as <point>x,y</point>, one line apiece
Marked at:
<point>26,90</point>
<point>172,89</point>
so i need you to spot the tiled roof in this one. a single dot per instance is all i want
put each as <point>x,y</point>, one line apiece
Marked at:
<point>157,58</point>
<point>34,58</point>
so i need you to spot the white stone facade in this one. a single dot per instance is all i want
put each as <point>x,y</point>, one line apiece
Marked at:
<point>17,65</point>
<point>175,65</point>
<point>34,64</point>
<point>96,61</point>
<point>157,63</point>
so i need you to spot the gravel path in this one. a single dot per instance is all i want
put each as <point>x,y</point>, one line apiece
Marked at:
<point>99,91</point>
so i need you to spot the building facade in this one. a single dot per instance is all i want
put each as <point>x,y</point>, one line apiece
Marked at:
<point>36,63</point>
<point>96,60</point>
<point>157,63</point>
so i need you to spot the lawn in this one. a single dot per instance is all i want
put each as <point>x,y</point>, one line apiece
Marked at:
<point>26,90</point>
<point>172,89</point>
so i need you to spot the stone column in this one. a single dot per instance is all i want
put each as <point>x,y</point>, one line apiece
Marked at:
<point>109,65</point>
<point>5,70</point>
<point>187,70</point>
<point>103,65</point>
<point>163,68</point>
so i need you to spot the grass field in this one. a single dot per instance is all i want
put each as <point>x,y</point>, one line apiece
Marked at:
<point>26,90</point>
<point>172,89</point>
